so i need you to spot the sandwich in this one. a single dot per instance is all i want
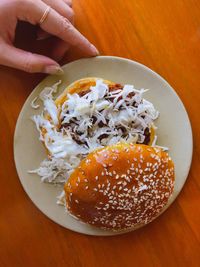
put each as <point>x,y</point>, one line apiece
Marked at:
<point>100,140</point>
<point>121,186</point>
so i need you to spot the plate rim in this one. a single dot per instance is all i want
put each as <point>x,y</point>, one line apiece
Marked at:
<point>130,61</point>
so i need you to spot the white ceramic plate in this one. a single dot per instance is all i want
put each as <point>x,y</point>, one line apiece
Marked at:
<point>174,131</point>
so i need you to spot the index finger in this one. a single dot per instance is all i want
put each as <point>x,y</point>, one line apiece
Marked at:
<point>57,25</point>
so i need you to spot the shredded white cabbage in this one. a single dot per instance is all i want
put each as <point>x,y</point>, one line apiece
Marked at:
<point>33,103</point>
<point>164,148</point>
<point>86,122</point>
<point>49,91</point>
<point>53,170</point>
<point>61,198</point>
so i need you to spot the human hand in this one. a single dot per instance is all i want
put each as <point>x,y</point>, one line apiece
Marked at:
<point>58,22</point>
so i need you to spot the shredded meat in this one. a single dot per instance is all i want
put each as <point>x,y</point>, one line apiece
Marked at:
<point>147,136</point>
<point>72,123</point>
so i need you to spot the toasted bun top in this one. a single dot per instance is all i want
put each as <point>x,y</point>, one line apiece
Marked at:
<point>120,186</point>
<point>78,86</point>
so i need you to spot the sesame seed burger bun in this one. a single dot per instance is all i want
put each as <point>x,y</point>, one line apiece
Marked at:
<point>120,186</point>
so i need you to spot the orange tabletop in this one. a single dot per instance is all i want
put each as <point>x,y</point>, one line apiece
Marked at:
<point>165,36</point>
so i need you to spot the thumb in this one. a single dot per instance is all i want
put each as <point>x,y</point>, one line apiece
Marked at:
<point>13,57</point>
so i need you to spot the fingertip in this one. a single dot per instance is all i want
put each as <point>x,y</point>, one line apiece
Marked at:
<point>68,2</point>
<point>53,69</point>
<point>94,50</point>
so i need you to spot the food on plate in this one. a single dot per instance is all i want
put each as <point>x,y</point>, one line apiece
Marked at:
<point>92,113</point>
<point>120,186</point>
<point>94,118</point>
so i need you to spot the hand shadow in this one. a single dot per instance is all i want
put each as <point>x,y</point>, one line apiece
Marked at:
<point>26,39</point>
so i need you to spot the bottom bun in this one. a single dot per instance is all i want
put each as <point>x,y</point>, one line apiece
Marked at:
<point>121,186</point>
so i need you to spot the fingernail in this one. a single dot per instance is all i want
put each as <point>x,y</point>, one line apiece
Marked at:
<point>42,36</point>
<point>95,52</point>
<point>53,69</point>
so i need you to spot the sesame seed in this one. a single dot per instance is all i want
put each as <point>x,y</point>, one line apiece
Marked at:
<point>69,185</point>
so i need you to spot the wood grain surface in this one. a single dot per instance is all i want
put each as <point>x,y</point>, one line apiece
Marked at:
<point>165,36</point>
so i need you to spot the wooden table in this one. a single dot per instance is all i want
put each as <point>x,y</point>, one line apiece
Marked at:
<point>165,36</point>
